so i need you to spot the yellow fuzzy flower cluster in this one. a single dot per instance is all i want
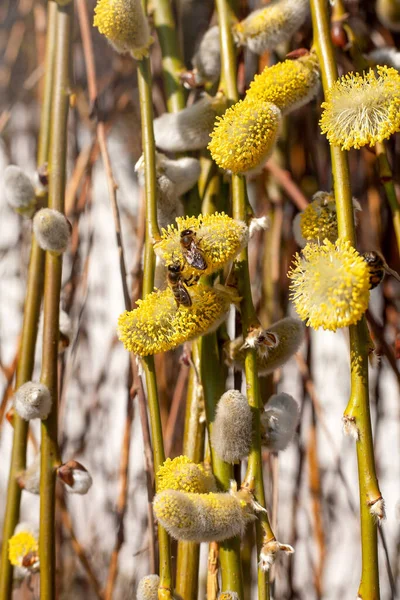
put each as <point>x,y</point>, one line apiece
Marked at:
<point>125,25</point>
<point>216,238</point>
<point>245,136</point>
<point>204,517</point>
<point>184,475</point>
<point>363,109</point>
<point>23,550</point>
<point>319,220</point>
<point>330,285</point>
<point>289,84</point>
<point>158,324</point>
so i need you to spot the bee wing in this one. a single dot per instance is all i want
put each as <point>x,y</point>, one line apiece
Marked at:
<point>391,272</point>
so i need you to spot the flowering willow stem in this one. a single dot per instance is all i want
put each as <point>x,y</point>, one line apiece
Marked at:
<point>213,388</point>
<point>152,233</point>
<point>254,474</point>
<point>386,177</point>
<point>187,569</point>
<point>29,327</point>
<point>171,57</point>
<point>50,457</point>
<point>358,406</point>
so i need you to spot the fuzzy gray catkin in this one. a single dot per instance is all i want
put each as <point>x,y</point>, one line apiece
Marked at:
<point>75,476</point>
<point>32,401</point>
<point>202,517</point>
<point>232,427</point>
<point>190,128</point>
<point>207,59</point>
<point>29,480</point>
<point>19,191</point>
<point>52,230</point>
<point>290,334</point>
<point>279,421</point>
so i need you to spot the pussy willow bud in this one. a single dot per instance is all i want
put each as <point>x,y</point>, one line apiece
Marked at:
<point>289,334</point>
<point>203,517</point>
<point>267,27</point>
<point>232,429</point>
<point>184,475</point>
<point>148,588</point>
<point>76,478</point>
<point>29,480</point>
<point>279,421</point>
<point>384,56</point>
<point>388,12</point>
<point>174,178</point>
<point>228,596</point>
<point>190,128</point>
<point>269,553</point>
<point>19,191</point>
<point>32,401</point>
<point>125,25</point>
<point>23,550</point>
<point>207,60</point>
<point>350,428</point>
<point>377,510</point>
<point>52,230</point>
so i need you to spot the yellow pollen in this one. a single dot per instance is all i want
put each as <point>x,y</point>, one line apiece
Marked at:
<point>21,544</point>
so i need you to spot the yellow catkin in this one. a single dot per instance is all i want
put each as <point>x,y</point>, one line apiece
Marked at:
<point>219,238</point>
<point>125,25</point>
<point>289,84</point>
<point>362,110</point>
<point>330,285</point>
<point>184,475</point>
<point>20,545</point>
<point>244,137</point>
<point>158,324</point>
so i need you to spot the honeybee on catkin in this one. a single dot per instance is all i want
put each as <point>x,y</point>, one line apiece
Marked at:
<point>176,283</point>
<point>190,250</point>
<point>377,268</point>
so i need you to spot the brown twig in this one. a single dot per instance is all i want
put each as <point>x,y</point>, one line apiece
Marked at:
<point>286,182</point>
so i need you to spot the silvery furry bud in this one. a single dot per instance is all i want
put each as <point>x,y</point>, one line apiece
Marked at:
<point>232,428</point>
<point>377,510</point>
<point>207,59</point>
<point>350,428</point>
<point>19,191</point>
<point>148,588</point>
<point>32,401</point>
<point>289,333</point>
<point>52,230</point>
<point>269,553</point>
<point>267,27</point>
<point>29,480</point>
<point>190,128</point>
<point>228,596</point>
<point>384,56</point>
<point>279,421</point>
<point>76,478</point>
<point>204,517</point>
<point>174,178</point>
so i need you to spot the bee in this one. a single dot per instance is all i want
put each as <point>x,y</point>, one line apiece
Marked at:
<point>177,285</point>
<point>190,250</point>
<point>377,268</point>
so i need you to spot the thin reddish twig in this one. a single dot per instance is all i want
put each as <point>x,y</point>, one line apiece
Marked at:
<point>288,185</point>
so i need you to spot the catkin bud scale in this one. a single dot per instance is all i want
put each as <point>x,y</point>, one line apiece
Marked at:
<point>76,478</point>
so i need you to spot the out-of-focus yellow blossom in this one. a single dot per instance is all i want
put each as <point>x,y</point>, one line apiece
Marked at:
<point>271,25</point>
<point>23,545</point>
<point>125,25</point>
<point>183,474</point>
<point>218,237</point>
<point>361,110</point>
<point>158,324</point>
<point>289,84</point>
<point>244,137</point>
<point>330,285</point>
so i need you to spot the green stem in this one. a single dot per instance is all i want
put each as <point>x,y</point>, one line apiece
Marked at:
<point>187,569</point>
<point>33,299</point>
<point>50,458</point>
<point>358,406</point>
<point>152,233</point>
<point>386,177</point>
<point>213,388</point>
<point>171,57</point>
<point>254,475</point>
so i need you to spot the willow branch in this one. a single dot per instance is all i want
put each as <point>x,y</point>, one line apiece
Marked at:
<point>171,57</point>
<point>29,327</point>
<point>50,458</point>
<point>358,407</point>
